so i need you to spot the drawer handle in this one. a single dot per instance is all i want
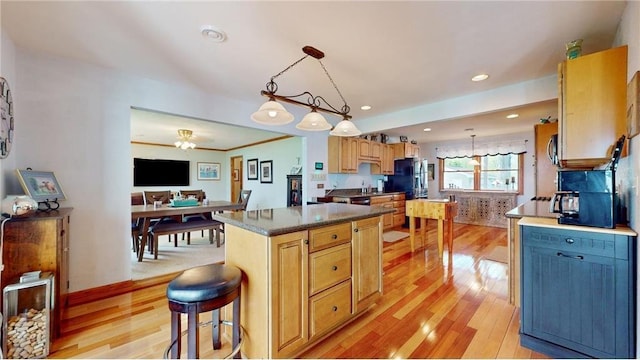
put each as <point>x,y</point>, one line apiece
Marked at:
<point>569,240</point>
<point>335,308</point>
<point>579,257</point>
<point>334,236</point>
<point>334,268</point>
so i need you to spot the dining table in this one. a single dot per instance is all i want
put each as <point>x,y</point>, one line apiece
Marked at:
<point>150,211</point>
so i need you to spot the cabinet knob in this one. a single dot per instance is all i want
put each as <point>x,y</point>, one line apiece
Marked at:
<point>569,240</point>
<point>306,242</point>
<point>355,230</point>
<point>334,268</point>
<point>335,308</point>
<point>334,236</point>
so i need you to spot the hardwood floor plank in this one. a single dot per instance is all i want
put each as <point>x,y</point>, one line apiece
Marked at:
<point>431,308</point>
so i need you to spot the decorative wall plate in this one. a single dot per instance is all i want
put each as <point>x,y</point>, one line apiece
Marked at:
<point>6,119</point>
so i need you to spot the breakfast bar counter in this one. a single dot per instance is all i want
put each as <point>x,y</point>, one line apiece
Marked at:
<point>307,272</point>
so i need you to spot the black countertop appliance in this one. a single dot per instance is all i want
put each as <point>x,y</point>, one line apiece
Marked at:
<point>588,197</point>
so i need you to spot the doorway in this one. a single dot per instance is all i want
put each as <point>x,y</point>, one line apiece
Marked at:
<point>236,177</point>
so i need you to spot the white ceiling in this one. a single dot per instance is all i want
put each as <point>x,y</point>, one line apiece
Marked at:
<point>390,55</point>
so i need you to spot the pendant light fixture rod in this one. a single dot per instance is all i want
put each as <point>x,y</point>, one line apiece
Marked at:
<point>288,99</point>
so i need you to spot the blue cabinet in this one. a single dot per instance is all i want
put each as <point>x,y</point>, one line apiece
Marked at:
<point>578,292</point>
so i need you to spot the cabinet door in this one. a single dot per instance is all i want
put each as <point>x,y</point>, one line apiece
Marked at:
<point>289,293</point>
<point>592,105</point>
<point>367,262</point>
<point>349,156</point>
<point>575,298</point>
<point>387,160</point>
<point>546,171</point>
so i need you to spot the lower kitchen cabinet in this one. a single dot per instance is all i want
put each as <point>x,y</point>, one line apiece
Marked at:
<point>299,287</point>
<point>578,291</point>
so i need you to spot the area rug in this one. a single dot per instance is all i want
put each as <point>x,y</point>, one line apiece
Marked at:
<point>393,236</point>
<point>499,254</point>
<point>172,259</point>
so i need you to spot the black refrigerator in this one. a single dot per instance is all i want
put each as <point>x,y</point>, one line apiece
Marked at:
<point>409,176</point>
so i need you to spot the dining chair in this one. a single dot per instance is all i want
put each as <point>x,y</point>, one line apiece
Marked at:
<point>199,195</point>
<point>137,198</point>
<point>150,197</point>
<point>243,199</point>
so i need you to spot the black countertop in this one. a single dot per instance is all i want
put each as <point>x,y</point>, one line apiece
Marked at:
<point>271,222</point>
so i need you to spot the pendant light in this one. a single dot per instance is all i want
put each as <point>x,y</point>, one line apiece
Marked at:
<point>313,121</point>
<point>473,161</point>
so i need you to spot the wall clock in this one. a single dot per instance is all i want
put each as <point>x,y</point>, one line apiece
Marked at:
<point>6,119</point>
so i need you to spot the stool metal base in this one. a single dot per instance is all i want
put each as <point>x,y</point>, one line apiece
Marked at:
<point>231,355</point>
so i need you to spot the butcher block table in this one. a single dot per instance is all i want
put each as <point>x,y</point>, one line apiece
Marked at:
<point>441,210</point>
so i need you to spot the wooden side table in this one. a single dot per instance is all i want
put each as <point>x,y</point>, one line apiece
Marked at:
<point>441,210</point>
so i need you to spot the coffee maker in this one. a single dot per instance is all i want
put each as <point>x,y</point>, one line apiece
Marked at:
<point>588,197</point>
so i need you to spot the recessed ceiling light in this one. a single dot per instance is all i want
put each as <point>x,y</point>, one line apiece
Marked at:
<point>213,33</point>
<point>480,77</point>
<point>365,107</point>
<point>512,116</point>
<point>426,129</point>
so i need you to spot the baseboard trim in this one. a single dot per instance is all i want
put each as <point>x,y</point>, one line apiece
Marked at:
<point>123,287</point>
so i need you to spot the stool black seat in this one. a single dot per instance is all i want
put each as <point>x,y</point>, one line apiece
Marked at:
<point>203,289</point>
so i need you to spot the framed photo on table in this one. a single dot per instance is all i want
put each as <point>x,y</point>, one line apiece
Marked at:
<point>266,171</point>
<point>208,171</point>
<point>40,185</point>
<point>252,169</point>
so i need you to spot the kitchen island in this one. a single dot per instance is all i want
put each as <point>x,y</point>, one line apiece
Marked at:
<point>307,271</point>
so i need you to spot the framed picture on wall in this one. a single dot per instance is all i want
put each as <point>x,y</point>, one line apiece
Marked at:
<point>430,172</point>
<point>252,169</point>
<point>266,171</point>
<point>208,171</point>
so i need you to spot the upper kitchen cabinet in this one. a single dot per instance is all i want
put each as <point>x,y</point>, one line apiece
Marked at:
<point>591,107</point>
<point>369,150</point>
<point>343,155</point>
<point>385,166</point>
<point>406,150</point>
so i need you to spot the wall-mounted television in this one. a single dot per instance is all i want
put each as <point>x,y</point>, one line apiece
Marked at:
<point>159,172</point>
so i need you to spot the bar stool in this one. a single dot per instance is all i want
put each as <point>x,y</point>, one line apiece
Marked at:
<point>203,289</point>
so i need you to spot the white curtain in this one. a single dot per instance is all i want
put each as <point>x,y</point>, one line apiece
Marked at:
<point>482,149</point>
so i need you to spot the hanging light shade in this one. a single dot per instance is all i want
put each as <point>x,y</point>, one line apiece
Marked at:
<point>473,161</point>
<point>184,137</point>
<point>345,128</point>
<point>313,121</point>
<point>272,113</point>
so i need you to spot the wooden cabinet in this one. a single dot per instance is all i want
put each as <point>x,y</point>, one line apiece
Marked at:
<point>483,208</point>
<point>546,171</point>
<point>405,150</point>
<point>385,166</point>
<point>394,201</point>
<point>369,150</point>
<point>367,262</point>
<point>300,286</point>
<point>39,242</point>
<point>290,294</point>
<point>342,155</point>
<point>592,107</point>
<point>578,293</point>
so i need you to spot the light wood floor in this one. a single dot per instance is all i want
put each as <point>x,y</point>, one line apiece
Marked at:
<point>456,308</point>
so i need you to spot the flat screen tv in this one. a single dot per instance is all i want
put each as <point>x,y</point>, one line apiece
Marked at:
<point>159,172</point>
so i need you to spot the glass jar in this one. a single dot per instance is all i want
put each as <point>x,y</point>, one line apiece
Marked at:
<point>574,49</point>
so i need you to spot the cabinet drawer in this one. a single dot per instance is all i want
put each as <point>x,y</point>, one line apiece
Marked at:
<point>398,203</point>
<point>398,197</point>
<point>329,308</point>
<point>329,236</point>
<point>400,210</point>
<point>380,199</point>
<point>329,267</point>
<point>398,219</point>
<point>583,242</point>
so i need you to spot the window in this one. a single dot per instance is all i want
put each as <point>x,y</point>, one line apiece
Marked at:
<point>495,173</point>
